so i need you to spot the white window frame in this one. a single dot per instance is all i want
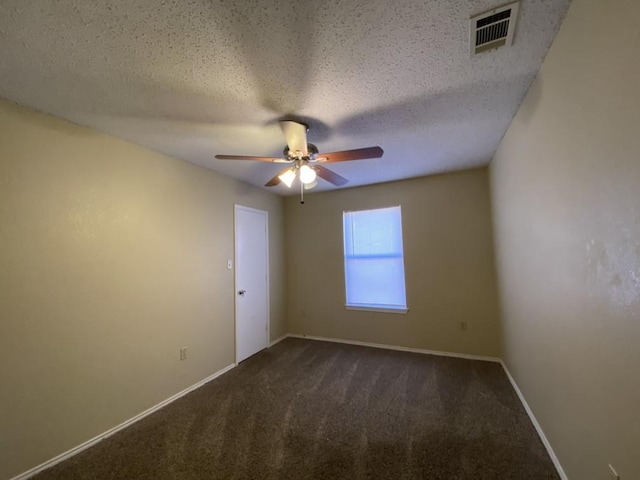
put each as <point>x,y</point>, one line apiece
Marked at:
<point>372,307</point>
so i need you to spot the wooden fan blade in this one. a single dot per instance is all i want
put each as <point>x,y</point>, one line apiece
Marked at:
<point>257,159</point>
<point>296,135</point>
<point>346,155</point>
<point>276,179</point>
<point>329,176</point>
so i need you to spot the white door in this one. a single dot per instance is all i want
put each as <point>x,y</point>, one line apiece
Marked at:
<point>252,287</point>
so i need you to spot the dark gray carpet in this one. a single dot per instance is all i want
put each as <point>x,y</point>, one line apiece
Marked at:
<point>306,409</point>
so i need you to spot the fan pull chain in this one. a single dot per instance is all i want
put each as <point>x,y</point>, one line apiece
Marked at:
<point>301,193</point>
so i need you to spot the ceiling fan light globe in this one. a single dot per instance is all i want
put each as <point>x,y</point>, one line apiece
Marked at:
<point>307,174</point>
<point>288,177</point>
<point>309,186</point>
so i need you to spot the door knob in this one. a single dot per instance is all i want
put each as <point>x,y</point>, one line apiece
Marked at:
<point>242,292</point>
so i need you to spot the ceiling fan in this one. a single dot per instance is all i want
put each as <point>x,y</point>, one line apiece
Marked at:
<point>305,160</point>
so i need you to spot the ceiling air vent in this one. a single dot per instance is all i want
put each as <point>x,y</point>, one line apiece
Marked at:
<point>493,29</point>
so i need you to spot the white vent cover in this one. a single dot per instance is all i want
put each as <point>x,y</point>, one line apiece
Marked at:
<point>494,28</point>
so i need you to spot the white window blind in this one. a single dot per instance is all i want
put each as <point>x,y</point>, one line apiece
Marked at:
<point>373,259</point>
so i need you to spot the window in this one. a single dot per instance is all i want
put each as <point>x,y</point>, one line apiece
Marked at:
<point>373,260</point>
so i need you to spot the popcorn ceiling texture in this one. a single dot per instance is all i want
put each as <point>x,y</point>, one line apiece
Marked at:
<point>196,78</point>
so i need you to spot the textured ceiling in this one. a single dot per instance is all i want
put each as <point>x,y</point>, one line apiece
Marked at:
<point>193,78</point>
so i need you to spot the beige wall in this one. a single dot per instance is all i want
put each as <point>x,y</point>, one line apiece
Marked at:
<point>566,199</point>
<point>112,258</point>
<point>448,265</point>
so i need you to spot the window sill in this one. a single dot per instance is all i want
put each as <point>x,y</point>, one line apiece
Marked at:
<point>401,311</point>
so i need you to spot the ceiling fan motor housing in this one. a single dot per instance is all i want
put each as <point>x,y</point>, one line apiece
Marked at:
<point>311,148</point>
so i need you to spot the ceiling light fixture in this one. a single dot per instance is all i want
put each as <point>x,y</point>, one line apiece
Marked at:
<point>307,174</point>
<point>288,177</point>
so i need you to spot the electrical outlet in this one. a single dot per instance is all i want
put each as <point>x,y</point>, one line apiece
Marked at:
<point>613,473</point>
<point>183,353</point>
<point>463,326</point>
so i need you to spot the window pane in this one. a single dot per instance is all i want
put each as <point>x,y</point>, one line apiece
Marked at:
<point>376,281</point>
<point>374,266</point>
<point>375,232</point>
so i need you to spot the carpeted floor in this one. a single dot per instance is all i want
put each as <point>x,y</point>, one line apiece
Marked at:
<point>306,409</point>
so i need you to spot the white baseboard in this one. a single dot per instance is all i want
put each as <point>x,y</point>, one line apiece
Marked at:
<point>278,340</point>
<point>75,450</point>
<point>536,425</point>
<point>401,349</point>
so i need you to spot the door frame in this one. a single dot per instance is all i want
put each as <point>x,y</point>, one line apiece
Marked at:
<point>265,213</point>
